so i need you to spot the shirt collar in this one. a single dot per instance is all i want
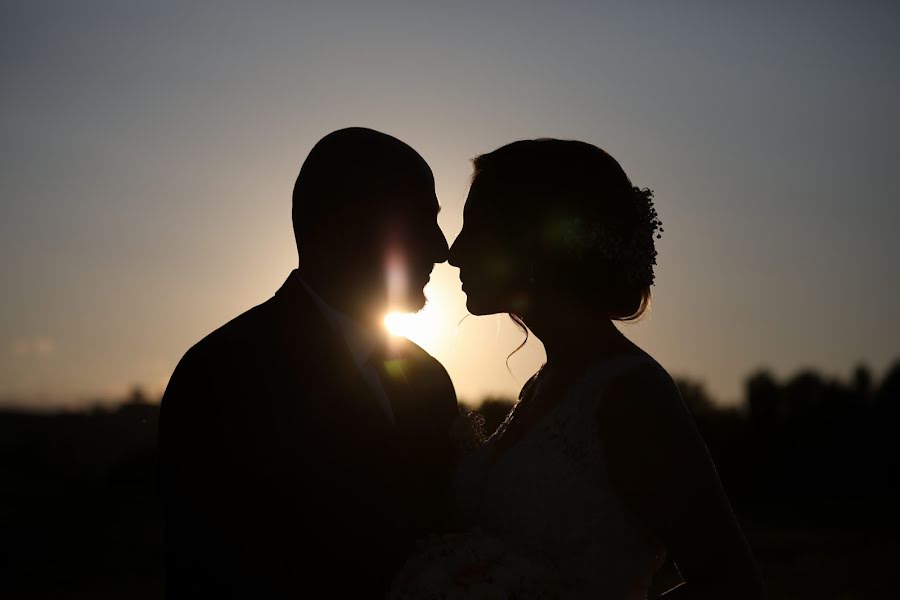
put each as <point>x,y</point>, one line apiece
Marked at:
<point>360,341</point>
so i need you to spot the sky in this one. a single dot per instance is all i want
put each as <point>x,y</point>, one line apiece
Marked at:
<point>148,152</point>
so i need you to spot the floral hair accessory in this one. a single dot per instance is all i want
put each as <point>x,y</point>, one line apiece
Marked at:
<point>635,250</point>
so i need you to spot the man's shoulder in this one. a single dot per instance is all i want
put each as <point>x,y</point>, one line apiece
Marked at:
<point>248,340</point>
<point>420,360</point>
<point>235,334</point>
<point>428,376</point>
<point>224,346</point>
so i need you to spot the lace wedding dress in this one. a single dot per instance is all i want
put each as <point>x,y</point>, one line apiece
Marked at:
<point>549,493</point>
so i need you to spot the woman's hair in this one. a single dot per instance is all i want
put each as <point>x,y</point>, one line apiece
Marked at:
<point>588,230</point>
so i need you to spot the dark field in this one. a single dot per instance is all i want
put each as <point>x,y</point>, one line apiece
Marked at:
<point>811,466</point>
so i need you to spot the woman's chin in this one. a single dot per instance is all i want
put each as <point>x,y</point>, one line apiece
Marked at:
<point>479,307</point>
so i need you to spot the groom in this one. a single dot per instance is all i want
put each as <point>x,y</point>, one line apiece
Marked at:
<point>302,452</point>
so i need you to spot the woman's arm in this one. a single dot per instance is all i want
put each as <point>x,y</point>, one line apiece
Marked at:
<point>661,466</point>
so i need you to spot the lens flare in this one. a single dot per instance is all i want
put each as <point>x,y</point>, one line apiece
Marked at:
<point>399,324</point>
<point>397,279</point>
<point>426,328</point>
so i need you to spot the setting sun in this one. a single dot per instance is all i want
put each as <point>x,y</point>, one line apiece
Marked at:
<point>425,327</point>
<point>408,325</point>
<point>397,323</point>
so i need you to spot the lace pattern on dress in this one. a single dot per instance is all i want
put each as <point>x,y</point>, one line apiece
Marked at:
<point>549,491</point>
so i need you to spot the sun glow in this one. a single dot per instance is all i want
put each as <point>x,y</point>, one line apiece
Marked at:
<point>425,327</point>
<point>398,323</point>
<point>434,328</point>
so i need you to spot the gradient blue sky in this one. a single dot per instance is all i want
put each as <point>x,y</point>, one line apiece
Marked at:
<point>149,150</point>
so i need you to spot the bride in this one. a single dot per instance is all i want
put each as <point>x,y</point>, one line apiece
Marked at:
<point>599,467</point>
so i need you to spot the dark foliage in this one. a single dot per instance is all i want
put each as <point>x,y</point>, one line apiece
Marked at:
<point>79,508</point>
<point>812,466</point>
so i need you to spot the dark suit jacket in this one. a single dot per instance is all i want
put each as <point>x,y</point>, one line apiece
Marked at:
<point>282,476</point>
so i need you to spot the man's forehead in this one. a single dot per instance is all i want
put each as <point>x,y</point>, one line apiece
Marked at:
<point>408,194</point>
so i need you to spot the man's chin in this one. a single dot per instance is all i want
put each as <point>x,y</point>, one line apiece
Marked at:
<point>413,303</point>
<point>417,302</point>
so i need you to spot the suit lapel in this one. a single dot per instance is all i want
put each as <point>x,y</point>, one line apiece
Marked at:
<point>394,372</point>
<point>326,365</point>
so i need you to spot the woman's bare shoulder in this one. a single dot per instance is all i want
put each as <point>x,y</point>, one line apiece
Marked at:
<point>645,387</point>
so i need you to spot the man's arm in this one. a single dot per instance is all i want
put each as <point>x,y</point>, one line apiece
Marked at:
<point>190,479</point>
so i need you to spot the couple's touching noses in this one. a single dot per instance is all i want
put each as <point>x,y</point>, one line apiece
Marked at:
<point>306,454</point>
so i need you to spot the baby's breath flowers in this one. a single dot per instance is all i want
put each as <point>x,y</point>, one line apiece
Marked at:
<point>634,249</point>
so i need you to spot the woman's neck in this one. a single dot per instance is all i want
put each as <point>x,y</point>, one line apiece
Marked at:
<point>572,334</point>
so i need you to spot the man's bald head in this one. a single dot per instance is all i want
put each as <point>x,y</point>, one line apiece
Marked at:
<point>364,200</point>
<point>353,172</point>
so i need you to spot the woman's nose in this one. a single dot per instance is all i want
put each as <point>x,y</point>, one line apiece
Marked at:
<point>453,254</point>
<point>440,245</point>
<point>437,245</point>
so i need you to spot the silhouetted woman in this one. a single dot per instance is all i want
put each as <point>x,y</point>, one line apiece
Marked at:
<point>599,466</point>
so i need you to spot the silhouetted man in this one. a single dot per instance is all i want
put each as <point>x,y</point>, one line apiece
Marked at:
<point>302,454</point>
